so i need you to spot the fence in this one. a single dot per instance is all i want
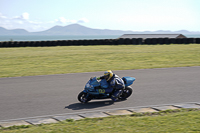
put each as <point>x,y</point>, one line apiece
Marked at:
<point>120,41</point>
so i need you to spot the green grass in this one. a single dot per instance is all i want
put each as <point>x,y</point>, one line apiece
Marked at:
<point>30,61</point>
<point>179,121</point>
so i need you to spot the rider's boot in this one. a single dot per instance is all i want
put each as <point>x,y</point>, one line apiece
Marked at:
<point>116,94</point>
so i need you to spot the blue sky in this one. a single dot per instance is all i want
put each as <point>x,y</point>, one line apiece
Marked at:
<point>134,15</point>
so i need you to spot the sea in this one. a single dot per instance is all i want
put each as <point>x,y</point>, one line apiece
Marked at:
<point>66,37</point>
<point>54,37</point>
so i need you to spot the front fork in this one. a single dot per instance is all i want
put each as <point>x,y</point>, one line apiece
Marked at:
<point>87,96</point>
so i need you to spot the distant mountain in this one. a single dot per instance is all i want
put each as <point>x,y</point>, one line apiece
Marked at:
<point>76,29</point>
<point>4,31</point>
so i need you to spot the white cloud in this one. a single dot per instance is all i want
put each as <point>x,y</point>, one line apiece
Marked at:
<point>23,22</point>
<point>63,20</point>
<point>24,16</point>
<point>83,20</point>
<point>18,22</point>
<point>2,17</point>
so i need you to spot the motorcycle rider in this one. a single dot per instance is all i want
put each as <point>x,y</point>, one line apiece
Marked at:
<point>116,84</point>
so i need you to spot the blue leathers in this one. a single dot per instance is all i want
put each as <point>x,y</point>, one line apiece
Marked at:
<point>116,85</point>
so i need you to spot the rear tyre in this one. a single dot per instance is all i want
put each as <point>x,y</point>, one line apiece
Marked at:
<point>82,97</point>
<point>126,93</point>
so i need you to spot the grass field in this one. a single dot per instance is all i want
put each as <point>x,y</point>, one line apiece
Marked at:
<point>178,121</point>
<point>30,61</point>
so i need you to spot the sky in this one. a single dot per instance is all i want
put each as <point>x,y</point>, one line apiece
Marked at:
<point>134,15</point>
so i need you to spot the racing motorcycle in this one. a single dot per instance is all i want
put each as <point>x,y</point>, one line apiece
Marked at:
<point>95,89</point>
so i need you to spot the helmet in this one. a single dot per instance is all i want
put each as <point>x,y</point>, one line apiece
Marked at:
<point>108,75</point>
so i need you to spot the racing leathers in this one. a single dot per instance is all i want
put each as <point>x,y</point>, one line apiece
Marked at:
<point>116,86</point>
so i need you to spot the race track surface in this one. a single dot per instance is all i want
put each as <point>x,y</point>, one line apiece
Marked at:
<point>32,96</point>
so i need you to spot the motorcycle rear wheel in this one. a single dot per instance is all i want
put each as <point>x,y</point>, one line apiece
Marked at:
<point>126,93</point>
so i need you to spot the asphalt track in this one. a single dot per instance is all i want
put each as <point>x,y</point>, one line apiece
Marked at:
<point>22,97</point>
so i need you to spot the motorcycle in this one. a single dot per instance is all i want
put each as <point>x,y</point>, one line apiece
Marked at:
<point>95,89</point>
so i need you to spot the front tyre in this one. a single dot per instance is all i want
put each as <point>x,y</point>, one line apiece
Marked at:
<point>82,97</point>
<point>126,93</point>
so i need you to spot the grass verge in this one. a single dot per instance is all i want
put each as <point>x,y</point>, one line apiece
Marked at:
<point>181,120</point>
<point>31,61</point>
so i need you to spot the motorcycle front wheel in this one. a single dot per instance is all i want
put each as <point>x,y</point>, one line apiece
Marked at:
<point>126,93</point>
<point>82,97</point>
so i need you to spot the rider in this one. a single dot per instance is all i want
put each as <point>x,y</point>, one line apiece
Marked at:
<point>115,83</point>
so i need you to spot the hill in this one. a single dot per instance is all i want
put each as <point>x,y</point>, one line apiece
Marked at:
<point>4,31</point>
<point>76,29</point>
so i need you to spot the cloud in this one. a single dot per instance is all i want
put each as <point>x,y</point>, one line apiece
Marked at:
<point>63,20</point>
<point>23,21</point>
<point>83,20</point>
<point>19,22</point>
<point>2,17</point>
<point>24,16</point>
